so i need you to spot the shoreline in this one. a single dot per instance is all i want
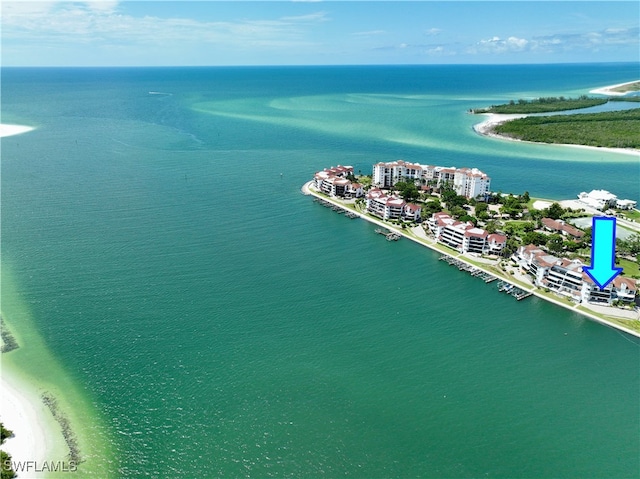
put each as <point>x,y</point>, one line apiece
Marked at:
<point>485,128</point>
<point>37,436</point>
<point>57,429</point>
<point>11,130</point>
<point>608,90</point>
<point>306,190</point>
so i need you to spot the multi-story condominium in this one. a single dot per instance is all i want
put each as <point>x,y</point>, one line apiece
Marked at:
<point>354,190</point>
<point>464,237</point>
<point>565,277</point>
<point>495,243</point>
<point>333,182</point>
<point>390,207</point>
<point>568,278</point>
<point>467,182</point>
<point>412,212</point>
<point>621,289</point>
<point>440,175</point>
<point>386,175</point>
<point>471,183</point>
<point>334,186</point>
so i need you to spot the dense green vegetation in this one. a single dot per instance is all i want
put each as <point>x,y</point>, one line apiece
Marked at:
<point>617,129</point>
<point>407,190</point>
<point>550,104</point>
<point>544,105</point>
<point>9,343</point>
<point>6,472</point>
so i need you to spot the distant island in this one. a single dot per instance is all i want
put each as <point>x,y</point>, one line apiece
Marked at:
<point>542,105</point>
<point>615,129</point>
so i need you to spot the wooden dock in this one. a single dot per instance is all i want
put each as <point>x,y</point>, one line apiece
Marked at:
<point>503,286</point>
<point>390,235</point>
<point>337,208</point>
<point>513,290</point>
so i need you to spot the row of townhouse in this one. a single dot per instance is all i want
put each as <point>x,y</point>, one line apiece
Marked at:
<point>560,227</point>
<point>390,207</point>
<point>467,182</point>
<point>333,182</point>
<point>465,237</point>
<point>567,277</point>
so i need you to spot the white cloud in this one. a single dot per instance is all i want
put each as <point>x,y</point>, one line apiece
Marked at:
<point>433,31</point>
<point>499,45</point>
<point>560,42</point>
<point>100,22</point>
<point>369,33</point>
<point>311,17</point>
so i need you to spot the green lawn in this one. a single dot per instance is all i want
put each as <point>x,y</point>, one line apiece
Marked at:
<point>627,323</point>
<point>630,268</point>
<point>633,215</point>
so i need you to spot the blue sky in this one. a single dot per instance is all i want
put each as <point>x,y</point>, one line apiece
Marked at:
<point>121,33</point>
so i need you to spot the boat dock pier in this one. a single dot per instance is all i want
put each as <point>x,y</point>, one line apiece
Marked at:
<point>338,209</point>
<point>503,286</point>
<point>513,290</point>
<point>390,235</point>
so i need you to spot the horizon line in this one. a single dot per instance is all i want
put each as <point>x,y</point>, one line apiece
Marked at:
<point>284,65</point>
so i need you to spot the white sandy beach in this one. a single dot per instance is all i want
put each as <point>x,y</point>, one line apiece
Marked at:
<point>492,119</point>
<point>36,434</point>
<point>608,90</point>
<point>10,130</point>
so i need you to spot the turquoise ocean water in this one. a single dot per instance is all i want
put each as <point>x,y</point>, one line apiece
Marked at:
<point>224,325</point>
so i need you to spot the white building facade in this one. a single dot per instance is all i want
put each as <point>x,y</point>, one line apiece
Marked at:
<point>603,200</point>
<point>467,182</point>
<point>333,182</point>
<point>391,207</point>
<point>567,277</point>
<point>464,237</point>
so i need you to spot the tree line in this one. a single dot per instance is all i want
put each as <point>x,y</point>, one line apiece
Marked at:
<point>615,129</point>
<point>543,105</point>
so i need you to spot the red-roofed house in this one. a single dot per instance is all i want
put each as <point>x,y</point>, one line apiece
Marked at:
<point>496,243</point>
<point>391,207</point>
<point>464,237</point>
<point>621,289</point>
<point>333,182</point>
<point>568,278</point>
<point>559,226</point>
<point>412,212</point>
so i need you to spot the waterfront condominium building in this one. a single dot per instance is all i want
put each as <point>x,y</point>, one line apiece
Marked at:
<point>567,277</point>
<point>333,182</point>
<point>464,237</point>
<point>471,183</point>
<point>467,182</point>
<point>385,175</point>
<point>390,207</point>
